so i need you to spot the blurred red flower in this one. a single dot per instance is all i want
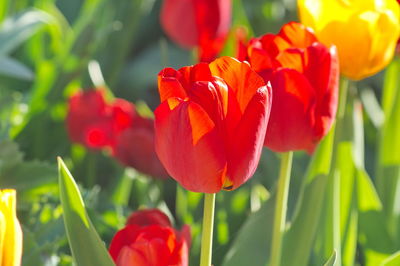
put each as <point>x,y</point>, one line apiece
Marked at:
<point>304,77</point>
<point>148,217</point>
<point>93,123</point>
<point>211,124</point>
<point>149,240</point>
<point>197,23</point>
<point>134,147</point>
<point>96,124</point>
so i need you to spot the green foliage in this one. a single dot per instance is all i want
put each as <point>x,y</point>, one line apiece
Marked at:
<point>86,245</point>
<point>45,50</point>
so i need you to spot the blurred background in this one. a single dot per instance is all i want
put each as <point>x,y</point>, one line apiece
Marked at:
<point>49,49</point>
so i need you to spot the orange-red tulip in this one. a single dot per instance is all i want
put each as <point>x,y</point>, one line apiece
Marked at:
<point>211,124</point>
<point>149,240</point>
<point>304,77</point>
<point>197,23</point>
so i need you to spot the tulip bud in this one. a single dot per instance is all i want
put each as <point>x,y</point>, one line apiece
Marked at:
<point>149,240</point>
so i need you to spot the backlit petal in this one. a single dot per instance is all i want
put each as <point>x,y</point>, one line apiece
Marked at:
<point>246,144</point>
<point>189,145</point>
<point>291,120</point>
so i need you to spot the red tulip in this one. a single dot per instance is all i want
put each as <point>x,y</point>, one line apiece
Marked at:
<point>211,124</point>
<point>150,241</point>
<point>197,23</point>
<point>94,123</point>
<point>134,147</point>
<point>149,217</point>
<point>304,76</point>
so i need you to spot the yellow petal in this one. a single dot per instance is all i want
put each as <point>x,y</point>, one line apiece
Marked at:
<point>12,242</point>
<point>364,31</point>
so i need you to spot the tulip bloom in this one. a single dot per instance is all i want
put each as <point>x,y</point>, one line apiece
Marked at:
<point>149,240</point>
<point>197,23</point>
<point>304,78</point>
<point>10,230</point>
<point>134,147</point>
<point>364,31</point>
<point>94,123</point>
<point>211,123</point>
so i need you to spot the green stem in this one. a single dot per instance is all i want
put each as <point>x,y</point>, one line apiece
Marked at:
<point>281,208</point>
<point>334,174</point>
<point>91,169</point>
<point>208,223</point>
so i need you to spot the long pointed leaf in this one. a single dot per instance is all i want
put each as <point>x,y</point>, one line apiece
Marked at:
<point>86,245</point>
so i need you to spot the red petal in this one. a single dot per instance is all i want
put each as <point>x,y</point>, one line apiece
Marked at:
<point>189,145</point>
<point>169,84</point>
<point>149,217</point>
<point>129,257</point>
<point>178,20</point>
<point>213,21</point>
<point>123,237</point>
<point>241,79</point>
<point>297,35</point>
<point>246,144</point>
<point>291,122</point>
<point>322,71</point>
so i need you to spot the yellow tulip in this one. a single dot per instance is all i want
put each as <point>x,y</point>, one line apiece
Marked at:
<point>10,230</point>
<point>365,32</point>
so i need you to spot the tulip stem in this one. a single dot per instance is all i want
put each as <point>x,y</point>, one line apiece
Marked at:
<point>280,208</point>
<point>207,234</point>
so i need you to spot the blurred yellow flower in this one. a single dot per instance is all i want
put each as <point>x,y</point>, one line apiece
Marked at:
<point>364,31</point>
<point>10,230</point>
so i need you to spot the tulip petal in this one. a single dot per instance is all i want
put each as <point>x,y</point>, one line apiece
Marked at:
<point>291,120</point>
<point>239,76</point>
<point>262,52</point>
<point>179,22</point>
<point>247,141</point>
<point>12,241</point>
<point>169,84</point>
<point>130,256</point>
<point>297,35</point>
<point>149,217</point>
<point>322,71</point>
<point>123,238</point>
<point>197,160</point>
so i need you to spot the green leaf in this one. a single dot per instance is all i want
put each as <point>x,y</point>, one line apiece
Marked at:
<point>86,245</point>
<point>308,212</point>
<point>367,196</point>
<point>304,228</point>
<point>19,28</point>
<point>331,260</point>
<point>393,260</point>
<point>390,142</point>
<point>12,68</point>
<point>252,241</point>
